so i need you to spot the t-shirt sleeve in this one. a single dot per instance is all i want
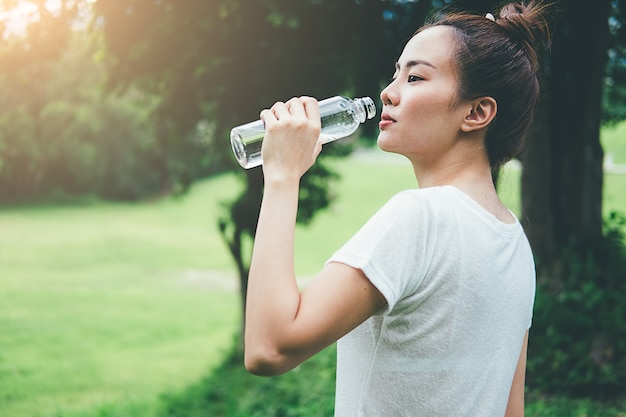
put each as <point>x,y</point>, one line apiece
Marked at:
<point>394,247</point>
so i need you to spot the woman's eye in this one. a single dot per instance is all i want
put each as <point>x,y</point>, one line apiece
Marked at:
<point>413,78</point>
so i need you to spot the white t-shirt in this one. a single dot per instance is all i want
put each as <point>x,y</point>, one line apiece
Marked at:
<point>460,288</point>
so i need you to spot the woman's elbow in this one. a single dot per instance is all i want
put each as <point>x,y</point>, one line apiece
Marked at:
<point>265,362</point>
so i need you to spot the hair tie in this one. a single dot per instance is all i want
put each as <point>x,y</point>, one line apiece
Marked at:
<point>490,17</point>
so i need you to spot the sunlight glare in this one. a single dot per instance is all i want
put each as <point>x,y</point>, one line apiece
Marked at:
<point>16,16</point>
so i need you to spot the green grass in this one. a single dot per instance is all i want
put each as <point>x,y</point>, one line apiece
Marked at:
<point>613,140</point>
<point>106,306</point>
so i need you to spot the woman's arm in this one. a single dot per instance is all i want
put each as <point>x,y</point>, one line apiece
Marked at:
<point>283,326</point>
<point>515,407</point>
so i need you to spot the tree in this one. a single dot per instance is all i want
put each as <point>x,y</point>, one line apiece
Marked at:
<point>26,54</point>
<point>563,198</point>
<point>58,135</point>
<point>577,336</point>
<point>223,61</point>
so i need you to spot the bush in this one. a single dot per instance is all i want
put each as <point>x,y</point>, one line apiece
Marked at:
<point>230,391</point>
<point>566,407</point>
<point>308,391</point>
<point>578,339</point>
<point>65,138</point>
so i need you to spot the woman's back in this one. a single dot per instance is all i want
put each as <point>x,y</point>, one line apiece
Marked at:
<point>460,288</point>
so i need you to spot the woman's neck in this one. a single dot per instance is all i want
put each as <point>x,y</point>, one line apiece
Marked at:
<point>471,175</point>
<point>460,167</point>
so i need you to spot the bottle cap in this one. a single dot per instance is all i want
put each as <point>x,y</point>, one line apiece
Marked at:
<point>365,108</point>
<point>370,107</point>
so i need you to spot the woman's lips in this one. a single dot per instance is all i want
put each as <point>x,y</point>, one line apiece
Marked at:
<point>385,120</point>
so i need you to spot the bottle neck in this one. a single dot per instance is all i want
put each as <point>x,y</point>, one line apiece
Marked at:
<point>364,108</point>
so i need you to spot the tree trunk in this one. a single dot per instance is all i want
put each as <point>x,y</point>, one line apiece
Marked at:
<point>536,210</point>
<point>562,179</point>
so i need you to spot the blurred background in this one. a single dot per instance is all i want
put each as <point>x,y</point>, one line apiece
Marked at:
<point>126,224</point>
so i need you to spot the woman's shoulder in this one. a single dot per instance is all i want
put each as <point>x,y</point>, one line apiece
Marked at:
<point>439,202</point>
<point>420,203</point>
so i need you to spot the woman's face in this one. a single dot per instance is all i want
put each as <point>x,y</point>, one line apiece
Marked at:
<point>421,112</point>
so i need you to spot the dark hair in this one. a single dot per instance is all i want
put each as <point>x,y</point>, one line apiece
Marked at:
<point>500,58</point>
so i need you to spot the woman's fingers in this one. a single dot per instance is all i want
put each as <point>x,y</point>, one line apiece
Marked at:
<point>296,107</point>
<point>280,110</point>
<point>297,113</point>
<point>311,108</point>
<point>305,107</point>
<point>267,115</point>
<point>291,142</point>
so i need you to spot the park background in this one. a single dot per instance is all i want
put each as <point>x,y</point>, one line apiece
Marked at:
<point>126,225</point>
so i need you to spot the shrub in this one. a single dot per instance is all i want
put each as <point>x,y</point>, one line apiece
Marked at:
<point>64,138</point>
<point>566,407</point>
<point>578,338</point>
<point>230,391</point>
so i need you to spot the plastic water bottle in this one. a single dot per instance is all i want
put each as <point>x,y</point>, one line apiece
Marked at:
<point>340,116</point>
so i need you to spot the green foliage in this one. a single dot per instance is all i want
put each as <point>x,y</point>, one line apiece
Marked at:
<point>223,61</point>
<point>568,407</point>
<point>66,138</point>
<point>614,99</point>
<point>578,334</point>
<point>315,195</point>
<point>307,391</point>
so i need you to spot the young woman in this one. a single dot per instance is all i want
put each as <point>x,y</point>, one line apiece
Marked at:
<point>431,301</point>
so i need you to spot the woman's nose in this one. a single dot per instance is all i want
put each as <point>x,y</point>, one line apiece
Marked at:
<point>387,95</point>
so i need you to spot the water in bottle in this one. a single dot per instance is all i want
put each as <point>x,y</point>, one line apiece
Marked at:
<point>340,117</point>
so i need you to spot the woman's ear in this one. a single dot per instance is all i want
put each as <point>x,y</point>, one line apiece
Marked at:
<point>482,112</point>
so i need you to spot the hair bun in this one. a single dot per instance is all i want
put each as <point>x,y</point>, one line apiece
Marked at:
<point>527,25</point>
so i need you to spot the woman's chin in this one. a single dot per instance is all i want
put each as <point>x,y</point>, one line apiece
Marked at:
<point>384,144</point>
<point>380,141</point>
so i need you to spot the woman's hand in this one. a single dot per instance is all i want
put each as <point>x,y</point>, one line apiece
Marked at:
<point>291,142</point>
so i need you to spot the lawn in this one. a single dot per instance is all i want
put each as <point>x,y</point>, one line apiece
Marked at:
<point>106,306</point>
<point>111,303</point>
<point>614,142</point>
